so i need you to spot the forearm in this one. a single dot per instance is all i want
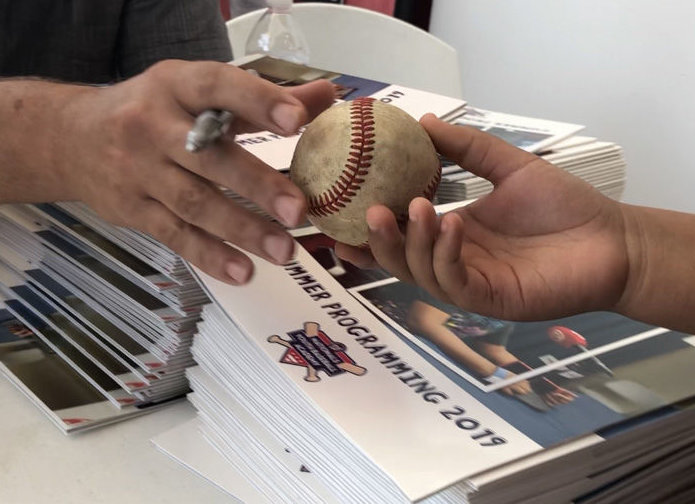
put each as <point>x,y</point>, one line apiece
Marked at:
<point>661,284</point>
<point>430,323</point>
<point>37,130</point>
<point>460,352</point>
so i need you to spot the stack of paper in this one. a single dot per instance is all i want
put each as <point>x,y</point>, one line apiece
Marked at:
<point>69,388</point>
<point>597,162</point>
<point>123,321</point>
<point>320,382</point>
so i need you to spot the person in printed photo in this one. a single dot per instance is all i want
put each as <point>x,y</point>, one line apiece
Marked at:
<point>475,343</point>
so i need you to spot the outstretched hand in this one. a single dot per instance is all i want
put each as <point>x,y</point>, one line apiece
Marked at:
<point>542,244</point>
<point>130,164</point>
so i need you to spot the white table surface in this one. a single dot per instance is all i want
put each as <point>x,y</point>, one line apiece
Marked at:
<point>112,464</point>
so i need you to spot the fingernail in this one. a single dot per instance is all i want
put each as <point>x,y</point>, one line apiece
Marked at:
<point>238,272</point>
<point>411,214</point>
<point>286,116</point>
<point>288,209</point>
<point>371,224</point>
<point>279,248</point>
<point>444,226</point>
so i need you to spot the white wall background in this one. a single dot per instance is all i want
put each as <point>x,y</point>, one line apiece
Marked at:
<point>623,68</point>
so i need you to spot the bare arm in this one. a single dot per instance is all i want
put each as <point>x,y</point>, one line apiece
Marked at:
<point>661,284</point>
<point>37,119</point>
<point>120,149</point>
<point>430,323</point>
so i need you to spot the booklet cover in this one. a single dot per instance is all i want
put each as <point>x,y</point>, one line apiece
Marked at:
<point>528,133</point>
<point>386,365</point>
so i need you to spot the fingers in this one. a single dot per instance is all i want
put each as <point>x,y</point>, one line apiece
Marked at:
<point>476,151</point>
<point>198,203</point>
<point>359,256</point>
<point>520,388</point>
<point>233,167</point>
<point>316,96</point>
<point>419,242</point>
<point>197,86</point>
<point>195,245</point>
<point>429,254</point>
<point>387,243</point>
<point>523,387</point>
<point>559,396</point>
<point>174,193</point>
<point>447,262</point>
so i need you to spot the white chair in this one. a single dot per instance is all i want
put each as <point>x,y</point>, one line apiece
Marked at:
<point>365,43</point>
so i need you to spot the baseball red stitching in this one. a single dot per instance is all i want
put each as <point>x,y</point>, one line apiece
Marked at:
<point>357,165</point>
<point>434,183</point>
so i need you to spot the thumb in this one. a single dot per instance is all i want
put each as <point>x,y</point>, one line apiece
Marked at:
<point>476,151</point>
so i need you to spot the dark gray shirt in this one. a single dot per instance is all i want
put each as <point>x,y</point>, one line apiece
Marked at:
<point>100,41</point>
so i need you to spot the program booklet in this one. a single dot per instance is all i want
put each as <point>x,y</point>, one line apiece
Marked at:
<point>379,392</point>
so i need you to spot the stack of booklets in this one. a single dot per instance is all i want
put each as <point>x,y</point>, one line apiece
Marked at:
<point>599,163</point>
<point>112,304</point>
<point>320,382</point>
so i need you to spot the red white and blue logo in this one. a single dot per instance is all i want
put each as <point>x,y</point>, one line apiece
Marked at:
<point>312,349</point>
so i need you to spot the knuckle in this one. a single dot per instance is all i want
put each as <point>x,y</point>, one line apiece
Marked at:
<point>267,185</point>
<point>171,233</point>
<point>190,202</point>
<point>243,232</point>
<point>129,119</point>
<point>208,80</point>
<point>210,258</point>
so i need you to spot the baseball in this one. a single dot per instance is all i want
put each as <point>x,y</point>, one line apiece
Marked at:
<point>361,153</point>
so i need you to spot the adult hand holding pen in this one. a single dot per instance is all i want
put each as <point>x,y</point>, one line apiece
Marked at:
<point>121,149</point>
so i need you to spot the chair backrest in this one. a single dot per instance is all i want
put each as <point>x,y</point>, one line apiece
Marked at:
<point>365,43</point>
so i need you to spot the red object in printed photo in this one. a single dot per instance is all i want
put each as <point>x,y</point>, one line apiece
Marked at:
<point>566,337</point>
